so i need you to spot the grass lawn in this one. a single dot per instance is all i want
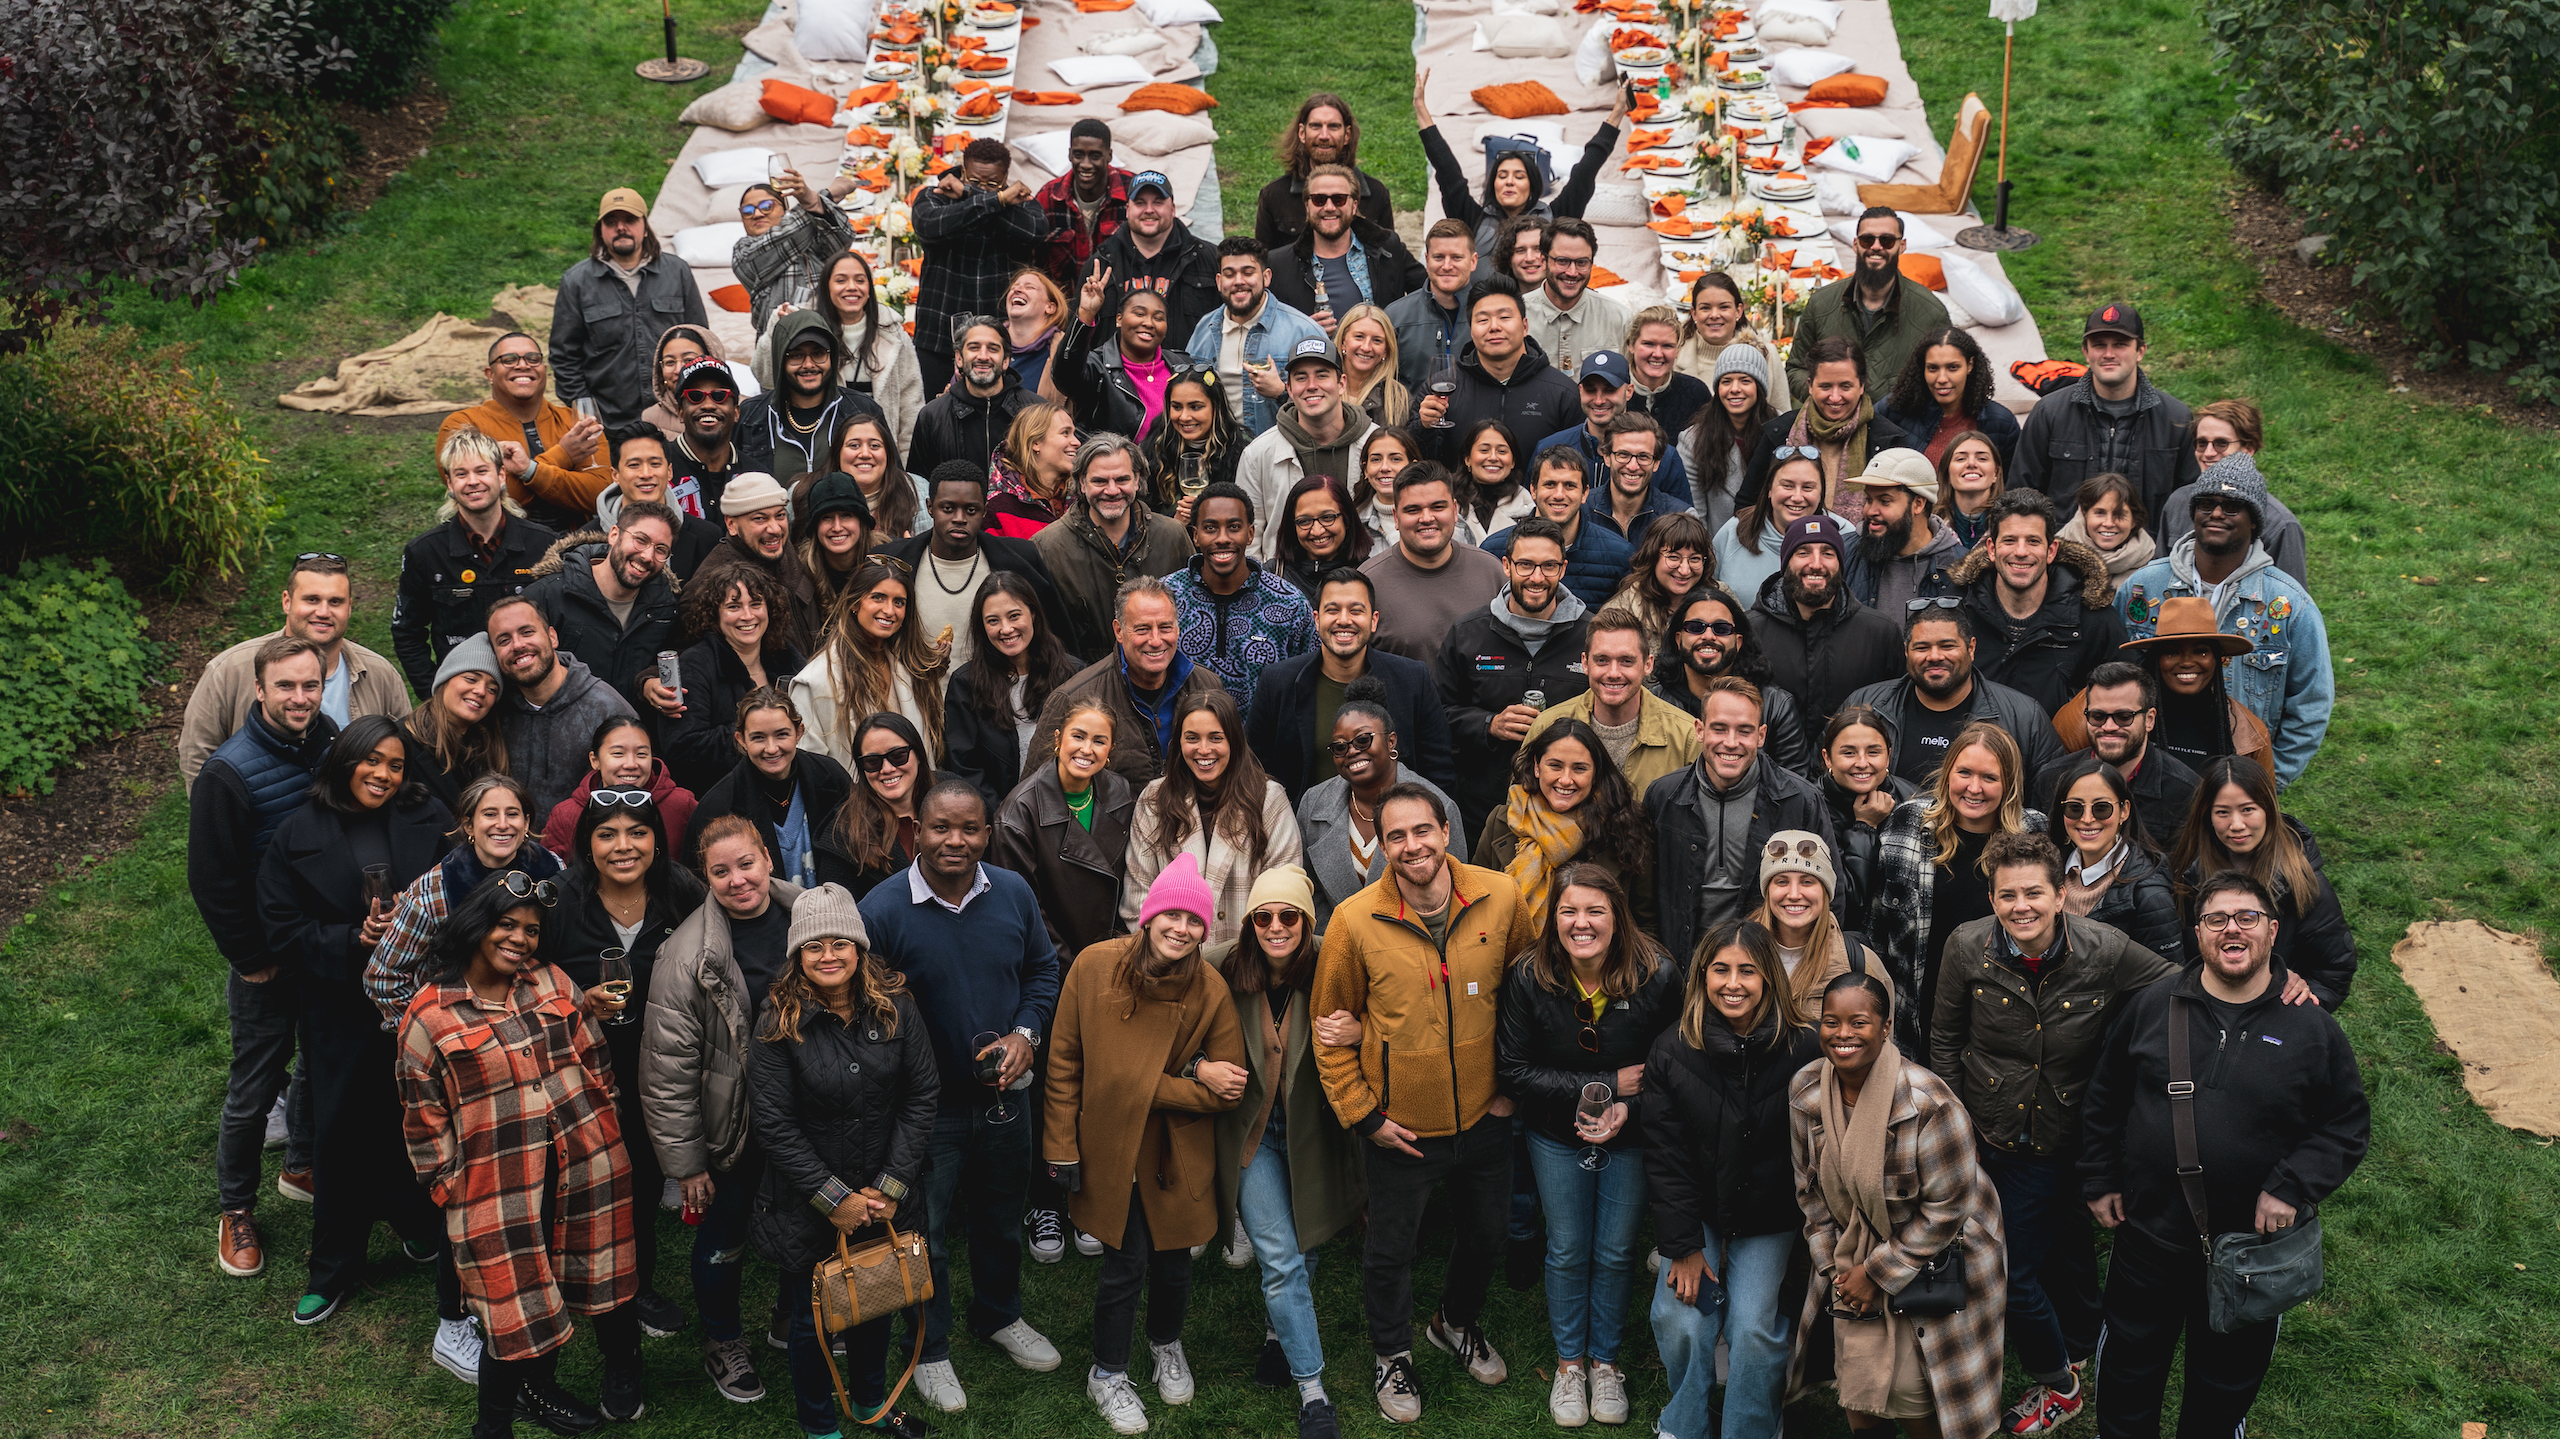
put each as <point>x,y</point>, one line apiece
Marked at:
<point>2440,1307</point>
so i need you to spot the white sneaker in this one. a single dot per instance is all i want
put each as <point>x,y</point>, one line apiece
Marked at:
<point>1608,1394</point>
<point>1653,1261</point>
<point>277,1132</point>
<point>1025,1346</point>
<point>1118,1400</point>
<point>457,1349</point>
<point>1088,1246</point>
<point>1173,1372</point>
<point>941,1387</point>
<point>1239,1251</point>
<point>1199,1249</point>
<point>1047,1229</point>
<point>1565,1401</point>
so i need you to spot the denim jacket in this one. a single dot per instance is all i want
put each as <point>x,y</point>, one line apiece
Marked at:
<point>2286,681</point>
<point>1270,337</point>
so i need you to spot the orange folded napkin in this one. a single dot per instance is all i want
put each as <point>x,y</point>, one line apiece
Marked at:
<point>1677,226</point>
<point>1817,145</point>
<point>1647,139</point>
<point>870,135</point>
<point>1047,97</point>
<point>1667,206</point>
<point>1103,7</point>
<point>732,298</point>
<point>986,63</point>
<point>880,94</point>
<point>981,106</point>
<point>1654,162</point>
<point>1602,277</point>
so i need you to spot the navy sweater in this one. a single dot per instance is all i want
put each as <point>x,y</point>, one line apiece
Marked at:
<point>987,969</point>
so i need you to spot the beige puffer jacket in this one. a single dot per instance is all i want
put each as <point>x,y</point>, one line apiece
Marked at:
<point>693,1046</point>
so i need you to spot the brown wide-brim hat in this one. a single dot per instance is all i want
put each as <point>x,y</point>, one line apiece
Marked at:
<point>2191,618</point>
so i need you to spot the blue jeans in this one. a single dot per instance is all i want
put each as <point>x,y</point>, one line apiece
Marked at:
<point>1755,1328</point>
<point>1288,1277</point>
<point>2039,1200</point>
<point>720,1241</point>
<point>994,1160</point>
<point>1591,1237</point>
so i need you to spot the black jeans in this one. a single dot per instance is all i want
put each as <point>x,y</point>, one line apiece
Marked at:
<point>265,1020</point>
<point>1477,1164</point>
<point>648,1181</point>
<point>2152,1293</point>
<point>360,1164</point>
<point>2053,1265</point>
<point>1126,1267</point>
<point>988,1159</point>
<point>865,1368</point>
<point>617,1333</point>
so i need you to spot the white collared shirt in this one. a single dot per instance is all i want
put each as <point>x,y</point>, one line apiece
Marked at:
<point>919,892</point>
<point>2091,876</point>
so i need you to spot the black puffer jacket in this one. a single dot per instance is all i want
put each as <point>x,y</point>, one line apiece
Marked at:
<point>699,744</point>
<point>1855,860</point>
<point>2312,939</point>
<point>850,1103</point>
<point>824,786</point>
<point>1539,1061</point>
<point>2076,629</point>
<point>1483,668</point>
<point>957,425</point>
<point>1822,661</point>
<point>2140,902</point>
<point>1091,373</point>
<point>1717,1140</point>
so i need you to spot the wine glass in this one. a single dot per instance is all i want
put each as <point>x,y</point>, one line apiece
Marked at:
<point>991,1073</point>
<point>1195,476</point>
<point>1444,384</point>
<point>588,411</point>
<point>1596,1099</point>
<point>613,976</point>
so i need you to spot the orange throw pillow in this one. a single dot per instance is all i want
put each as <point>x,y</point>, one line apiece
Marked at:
<point>798,105</point>
<point>1180,99</point>
<point>1925,270</point>
<point>732,297</point>
<point>1850,90</point>
<point>1519,100</point>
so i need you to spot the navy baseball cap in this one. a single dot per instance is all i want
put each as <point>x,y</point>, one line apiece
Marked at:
<point>1150,180</point>
<point>1605,365</point>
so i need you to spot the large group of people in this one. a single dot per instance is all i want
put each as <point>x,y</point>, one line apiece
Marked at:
<point>1486,753</point>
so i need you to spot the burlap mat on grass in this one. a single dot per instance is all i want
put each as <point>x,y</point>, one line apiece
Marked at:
<point>2493,1000</point>
<point>434,369</point>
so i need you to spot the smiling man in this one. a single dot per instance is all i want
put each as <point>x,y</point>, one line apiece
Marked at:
<point>1431,321</point>
<point>1712,820</point>
<point>968,420</point>
<point>1567,318</point>
<point>2039,603</point>
<point>644,469</point>
<point>1821,643</point>
<point>553,704</point>
<point>1706,639</point>
<point>1500,375</point>
<point>1109,536</point>
<point>1939,694</point>
<point>1156,251</point>
<point>2112,420</point>
<point>1317,432</point>
<point>613,307</point>
<point>450,575</point>
<point>1646,735</point>
<point>1427,580</point>
<point>318,604</point>
<point>552,459</point>
<point>1506,661</point>
<point>1085,206</point>
<point>1875,307</point>
<point>609,600</point>
<point>706,453</point>
<point>1237,616</point>
<point>1342,259</point>
<point>1139,682</point>
<point>1596,557</point>
<point>1608,388</point>
<point>1296,700</point>
<point>786,430</point>
<point>1252,334</point>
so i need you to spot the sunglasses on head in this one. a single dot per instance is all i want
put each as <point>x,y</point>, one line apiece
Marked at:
<point>1804,849</point>
<point>1707,627</point>
<point>2100,810</point>
<point>1940,602</point>
<point>887,758</point>
<point>632,797</point>
<point>525,886</point>
<point>319,555</point>
<point>706,397</point>
<point>1783,453</point>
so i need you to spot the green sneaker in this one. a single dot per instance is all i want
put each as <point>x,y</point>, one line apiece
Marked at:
<point>313,1309</point>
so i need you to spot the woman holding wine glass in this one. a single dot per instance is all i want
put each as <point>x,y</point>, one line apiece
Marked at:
<point>1198,445</point>
<point>1581,1009</point>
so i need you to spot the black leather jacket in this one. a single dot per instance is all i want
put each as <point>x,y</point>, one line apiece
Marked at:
<point>1095,379</point>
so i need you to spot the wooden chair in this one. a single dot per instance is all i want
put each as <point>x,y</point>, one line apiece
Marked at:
<point>1953,193</point>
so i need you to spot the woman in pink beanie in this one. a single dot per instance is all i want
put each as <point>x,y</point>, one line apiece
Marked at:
<point>1144,1049</point>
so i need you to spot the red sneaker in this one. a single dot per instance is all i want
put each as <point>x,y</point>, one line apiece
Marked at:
<point>2041,1411</point>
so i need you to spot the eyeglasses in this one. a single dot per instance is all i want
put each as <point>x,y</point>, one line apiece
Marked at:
<point>2243,920</point>
<point>517,360</point>
<point>1357,744</point>
<point>1329,202</point>
<point>1277,919</point>
<point>760,207</point>
<point>706,397</point>
<point>1784,453</point>
<point>1548,568</point>
<point>525,886</point>
<point>319,555</point>
<point>2215,446</point>
<point>2100,810</point>
<point>887,758</point>
<point>1878,242</point>
<point>1630,457</point>
<point>1804,849</point>
<point>1325,521</point>
<point>2112,719</point>
<point>1707,627</point>
<point>1939,602</point>
<point>632,797</point>
<point>1568,266</point>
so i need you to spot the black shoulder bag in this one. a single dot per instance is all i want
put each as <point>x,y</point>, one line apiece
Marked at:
<point>2249,1278</point>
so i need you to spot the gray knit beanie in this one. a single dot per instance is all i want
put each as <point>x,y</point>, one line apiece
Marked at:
<point>1742,358</point>
<point>2236,477</point>
<point>473,656</point>
<point>827,912</point>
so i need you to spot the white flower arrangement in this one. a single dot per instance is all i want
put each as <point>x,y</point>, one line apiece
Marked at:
<point>898,287</point>
<point>899,223</point>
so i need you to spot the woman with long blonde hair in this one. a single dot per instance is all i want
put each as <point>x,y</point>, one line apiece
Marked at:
<point>1031,476</point>
<point>875,658</point>
<point>1796,886</point>
<point>1367,337</point>
<point>1930,877</point>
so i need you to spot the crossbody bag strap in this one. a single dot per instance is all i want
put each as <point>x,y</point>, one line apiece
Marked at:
<point>2182,1121</point>
<point>817,1314</point>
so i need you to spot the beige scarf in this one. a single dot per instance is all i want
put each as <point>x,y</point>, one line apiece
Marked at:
<point>1850,1171</point>
<point>2132,555</point>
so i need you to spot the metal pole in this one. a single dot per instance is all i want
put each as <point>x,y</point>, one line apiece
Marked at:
<point>2000,190</point>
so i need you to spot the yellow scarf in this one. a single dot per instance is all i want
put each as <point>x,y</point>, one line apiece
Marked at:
<point>1548,840</point>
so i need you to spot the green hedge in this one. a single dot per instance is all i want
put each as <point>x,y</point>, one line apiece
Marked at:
<point>73,663</point>
<point>386,44</point>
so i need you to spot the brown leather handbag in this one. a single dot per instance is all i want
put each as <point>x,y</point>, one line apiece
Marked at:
<point>860,1285</point>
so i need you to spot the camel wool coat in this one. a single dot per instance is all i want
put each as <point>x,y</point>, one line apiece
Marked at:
<point>1117,1102</point>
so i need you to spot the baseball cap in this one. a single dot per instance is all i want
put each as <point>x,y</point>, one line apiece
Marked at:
<point>701,368</point>
<point>1150,180</point>
<point>1900,469</point>
<point>1812,530</point>
<point>2117,318</point>
<point>624,199</point>
<point>1314,347</point>
<point>1605,365</point>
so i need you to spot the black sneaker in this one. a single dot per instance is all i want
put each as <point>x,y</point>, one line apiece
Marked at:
<point>1316,1421</point>
<point>625,1396</point>
<point>731,1372</point>
<point>1045,1230</point>
<point>660,1317</point>
<point>1524,1261</point>
<point>1272,1369</point>
<point>556,1409</point>
<point>899,1424</point>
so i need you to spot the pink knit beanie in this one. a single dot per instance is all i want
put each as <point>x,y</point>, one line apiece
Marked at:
<point>1180,887</point>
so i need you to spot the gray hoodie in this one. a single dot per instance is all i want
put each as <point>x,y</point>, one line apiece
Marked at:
<point>547,744</point>
<point>1532,632</point>
<point>1889,584</point>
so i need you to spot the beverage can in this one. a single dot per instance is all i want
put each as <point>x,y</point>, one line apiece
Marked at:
<point>670,674</point>
<point>1534,699</point>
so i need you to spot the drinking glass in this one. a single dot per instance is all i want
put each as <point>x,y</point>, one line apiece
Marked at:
<point>1195,476</point>
<point>990,1073</point>
<point>1444,384</point>
<point>587,410</point>
<point>1596,1099</point>
<point>613,976</point>
<point>377,885</point>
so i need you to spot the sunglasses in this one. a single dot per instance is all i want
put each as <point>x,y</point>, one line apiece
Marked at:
<point>1277,919</point>
<point>1784,453</point>
<point>2100,810</point>
<point>1357,744</point>
<point>1804,849</point>
<point>2112,719</point>
<point>319,555</point>
<point>760,207</point>
<point>706,397</point>
<point>632,797</point>
<point>887,759</point>
<point>1718,628</point>
<point>525,886</point>
<point>2207,503</point>
<point>1878,242</point>
<point>1329,202</point>
<point>1941,602</point>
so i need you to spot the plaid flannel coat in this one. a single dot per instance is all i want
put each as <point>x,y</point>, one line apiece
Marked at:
<point>1069,245</point>
<point>1898,914</point>
<point>972,249</point>
<point>1935,1191</point>
<point>499,1099</point>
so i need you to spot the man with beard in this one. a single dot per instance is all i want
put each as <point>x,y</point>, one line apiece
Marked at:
<point>706,454</point>
<point>1566,318</point>
<point>2039,602</point>
<point>1607,387</point>
<point>607,601</point>
<point>1085,206</point>
<point>1341,259</point>
<point>1633,450</point>
<point>1707,639</point>
<point>967,421</point>
<point>1251,334</point>
<point>1528,640</point>
<point>613,306</point>
<point>1323,134</point>
<point>1901,540</point>
<point>2285,678</point>
<point>644,469</point>
<point>1427,581</point>
<point>1501,375</point>
<point>1140,681</point>
<point>1596,557</point>
<point>450,575</point>
<point>1156,251</point>
<point>1431,321</point>
<point>786,430</point>
<point>2112,420</point>
<point>1236,615</point>
<point>1109,536</point>
<point>977,226</point>
<point>1295,703</point>
<point>1316,433</point>
<point>1875,307</point>
<point>553,704</point>
<point>1820,642</point>
<point>547,454</point>
<point>1941,694</point>
<point>2114,717</point>
<point>318,604</point>
<point>757,513</point>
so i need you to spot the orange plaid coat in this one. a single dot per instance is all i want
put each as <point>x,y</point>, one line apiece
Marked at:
<point>503,1101</point>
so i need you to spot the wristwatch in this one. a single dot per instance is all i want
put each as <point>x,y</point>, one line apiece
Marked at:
<point>1030,1036</point>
